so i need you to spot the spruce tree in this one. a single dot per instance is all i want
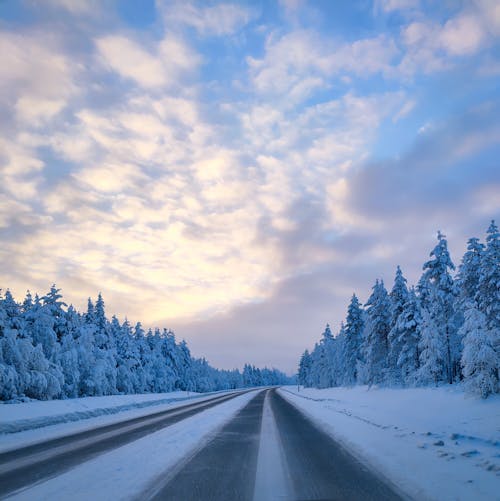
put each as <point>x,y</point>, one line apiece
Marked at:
<point>408,326</point>
<point>352,342</point>
<point>398,299</point>
<point>469,273</point>
<point>479,360</point>
<point>376,343</point>
<point>440,302</point>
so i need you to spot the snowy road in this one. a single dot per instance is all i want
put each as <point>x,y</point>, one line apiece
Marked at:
<point>256,447</point>
<point>270,451</point>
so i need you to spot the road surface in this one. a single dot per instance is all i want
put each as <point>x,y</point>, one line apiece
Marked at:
<point>268,450</point>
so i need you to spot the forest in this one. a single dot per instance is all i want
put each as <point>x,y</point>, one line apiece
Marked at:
<point>444,330</point>
<point>49,350</point>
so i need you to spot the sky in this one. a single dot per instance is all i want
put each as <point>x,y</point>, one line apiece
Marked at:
<point>234,171</point>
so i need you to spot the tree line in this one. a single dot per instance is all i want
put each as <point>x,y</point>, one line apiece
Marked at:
<point>444,330</point>
<point>49,350</point>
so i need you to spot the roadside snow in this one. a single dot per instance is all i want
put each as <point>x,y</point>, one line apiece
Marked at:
<point>26,423</point>
<point>432,442</point>
<point>272,479</point>
<point>128,471</point>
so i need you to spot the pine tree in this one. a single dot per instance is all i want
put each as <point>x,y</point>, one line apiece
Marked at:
<point>408,326</point>
<point>440,303</point>
<point>324,365</point>
<point>398,299</point>
<point>105,369</point>
<point>488,294</point>
<point>304,368</point>
<point>469,272</point>
<point>432,352</point>
<point>376,343</point>
<point>68,355</point>
<point>479,360</point>
<point>352,342</point>
<point>54,307</point>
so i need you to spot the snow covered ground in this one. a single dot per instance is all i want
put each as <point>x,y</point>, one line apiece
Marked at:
<point>30,422</point>
<point>125,472</point>
<point>435,443</point>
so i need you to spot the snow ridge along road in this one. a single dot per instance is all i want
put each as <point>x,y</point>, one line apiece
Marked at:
<point>31,464</point>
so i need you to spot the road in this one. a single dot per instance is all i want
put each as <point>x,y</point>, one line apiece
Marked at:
<point>268,450</point>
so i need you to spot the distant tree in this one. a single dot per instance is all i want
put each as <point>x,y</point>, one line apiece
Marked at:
<point>304,368</point>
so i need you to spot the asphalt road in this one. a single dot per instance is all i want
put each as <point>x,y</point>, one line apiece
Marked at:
<point>23,467</point>
<point>225,468</point>
<point>314,466</point>
<point>319,467</point>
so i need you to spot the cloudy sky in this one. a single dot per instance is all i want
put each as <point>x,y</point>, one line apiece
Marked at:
<point>235,171</point>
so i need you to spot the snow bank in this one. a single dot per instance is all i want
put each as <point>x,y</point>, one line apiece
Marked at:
<point>30,415</point>
<point>432,442</point>
<point>26,423</point>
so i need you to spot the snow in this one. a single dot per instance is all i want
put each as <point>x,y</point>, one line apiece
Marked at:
<point>128,471</point>
<point>272,480</point>
<point>433,443</point>
<point>26,423</point>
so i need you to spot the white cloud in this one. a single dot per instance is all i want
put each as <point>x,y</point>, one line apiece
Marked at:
<point>395,5</point>
<point>431,46</point>
<point>157,67</point>
<point>220,19</point>
<point>78,7</point>
<point>462,35</point>
<point>299,62</point>
<point>36,77</point>
<point>130,60</point>
<point>32,111</point>
<point>111,178</point>
<point>489,11</point>
<point>405,110</point>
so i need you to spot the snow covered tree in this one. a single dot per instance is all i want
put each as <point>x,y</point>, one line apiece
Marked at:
<point>104,348</point>
<point>49,352</point>
<point>377,326</point>
<point>479,360</point>
<point>469,272</point>
<point>398,298</point>
<point>304,368</point>
<point>68,354</point>
<point>54,307</point>
<point>489,278</point>
<point>352,342</point>
<point>432,352</point>
<point>408,327</point>
<point>324,359</point>
<point>440,304</point>
<point>488,293</point>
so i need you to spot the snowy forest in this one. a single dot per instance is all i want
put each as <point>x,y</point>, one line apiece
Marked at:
<point>446,329</point>
<point>48,350</point>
